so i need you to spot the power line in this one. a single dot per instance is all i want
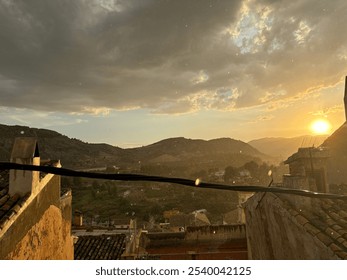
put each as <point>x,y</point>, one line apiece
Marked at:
<point>160,179</point>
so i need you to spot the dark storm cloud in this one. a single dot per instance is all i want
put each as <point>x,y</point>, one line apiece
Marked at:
<point>168,56</point>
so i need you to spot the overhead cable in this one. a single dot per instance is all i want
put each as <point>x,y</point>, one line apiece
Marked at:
<point>160,179</point>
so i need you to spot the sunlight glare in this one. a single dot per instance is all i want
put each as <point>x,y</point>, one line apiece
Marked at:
<point>320,126</point>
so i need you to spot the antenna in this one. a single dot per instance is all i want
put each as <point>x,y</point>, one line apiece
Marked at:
<point>309,139</point>
<point>314,140</point>
<point>302,142</point>
<point>345,99</point>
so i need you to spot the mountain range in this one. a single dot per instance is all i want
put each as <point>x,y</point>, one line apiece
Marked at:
<point>281,148</point>
<point>181,155</point>
<point>179,151</point>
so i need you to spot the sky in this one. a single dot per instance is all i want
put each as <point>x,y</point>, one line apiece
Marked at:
<point>130,73</point>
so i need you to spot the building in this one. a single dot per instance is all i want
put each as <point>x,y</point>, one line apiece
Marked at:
<point>100,247</point>
<point>282,226</point>
<point>285,227</point>
<point>35,214</point>
<point>307,168</point>
<point>181,221</point>
<point>222,242</point>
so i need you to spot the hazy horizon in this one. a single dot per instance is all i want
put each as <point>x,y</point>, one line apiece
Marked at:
<point>131,73</point>
<point>307,139</point>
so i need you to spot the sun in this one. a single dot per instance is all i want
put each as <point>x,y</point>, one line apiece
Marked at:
<point>320,126</point>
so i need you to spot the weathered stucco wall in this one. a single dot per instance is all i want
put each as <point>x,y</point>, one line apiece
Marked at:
<point>273,233</point>
<point>43,229</point>
<point>48,239</point>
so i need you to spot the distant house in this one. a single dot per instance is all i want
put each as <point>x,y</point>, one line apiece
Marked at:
<point>35,214</point>
<point>180,221</point>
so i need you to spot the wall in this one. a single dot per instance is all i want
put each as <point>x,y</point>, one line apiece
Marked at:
<point>201,243</point>
<point>43,229</point>
<point>201,251</point>
<point>225,232</point>
<point>273,233</point>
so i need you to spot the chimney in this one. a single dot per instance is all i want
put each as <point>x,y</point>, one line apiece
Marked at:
<point>78,218</point>
<point>25,151</point>
<point>345,99</point>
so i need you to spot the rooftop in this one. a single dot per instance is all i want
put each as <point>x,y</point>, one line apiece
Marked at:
<point>101,247</point>
<point>324,219</point>
<point>9,205</point>
<point>307,153</point>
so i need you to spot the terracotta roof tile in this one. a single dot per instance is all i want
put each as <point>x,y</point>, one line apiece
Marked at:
<point>343,214</point>
<point>319,223</point>
<point>342,255</point>
<point>340,240</point>
<point>293,212</point>
<point>334,215</point>
<point>342,232</point>
<point>324,238</point>
<point>311,229</point>
<point>335,248</point>
<point>3,191</point>
<point>301,219</point>
<point>326,205</point>
<point>9,205</point>
<point>337,228</point>
<point>325,219</point>
<point>329,231</point>
<point>10,202</point>
<point>3,199</point>
<point>343,224</point>
<point>330,222</point>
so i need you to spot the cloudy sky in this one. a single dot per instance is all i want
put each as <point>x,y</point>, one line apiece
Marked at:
<point>130,73</point>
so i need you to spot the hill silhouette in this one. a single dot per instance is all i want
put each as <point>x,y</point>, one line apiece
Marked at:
<point>72,152</point>
<point>281,148</point>
<point>175,157</point>
<point>173,152</point>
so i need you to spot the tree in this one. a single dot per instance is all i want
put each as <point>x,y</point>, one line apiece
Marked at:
<point>95,185</point>
<point>200,174</point>
<point>77,181</point>
<point>230,173</point>
<point>252,167</point>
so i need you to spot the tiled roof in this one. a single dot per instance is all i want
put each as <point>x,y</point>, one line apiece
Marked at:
<point>4,179</point>
<point>310,153</point>
<point>101,247</point>
<point>9,205</point>
<point>324,219</point>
